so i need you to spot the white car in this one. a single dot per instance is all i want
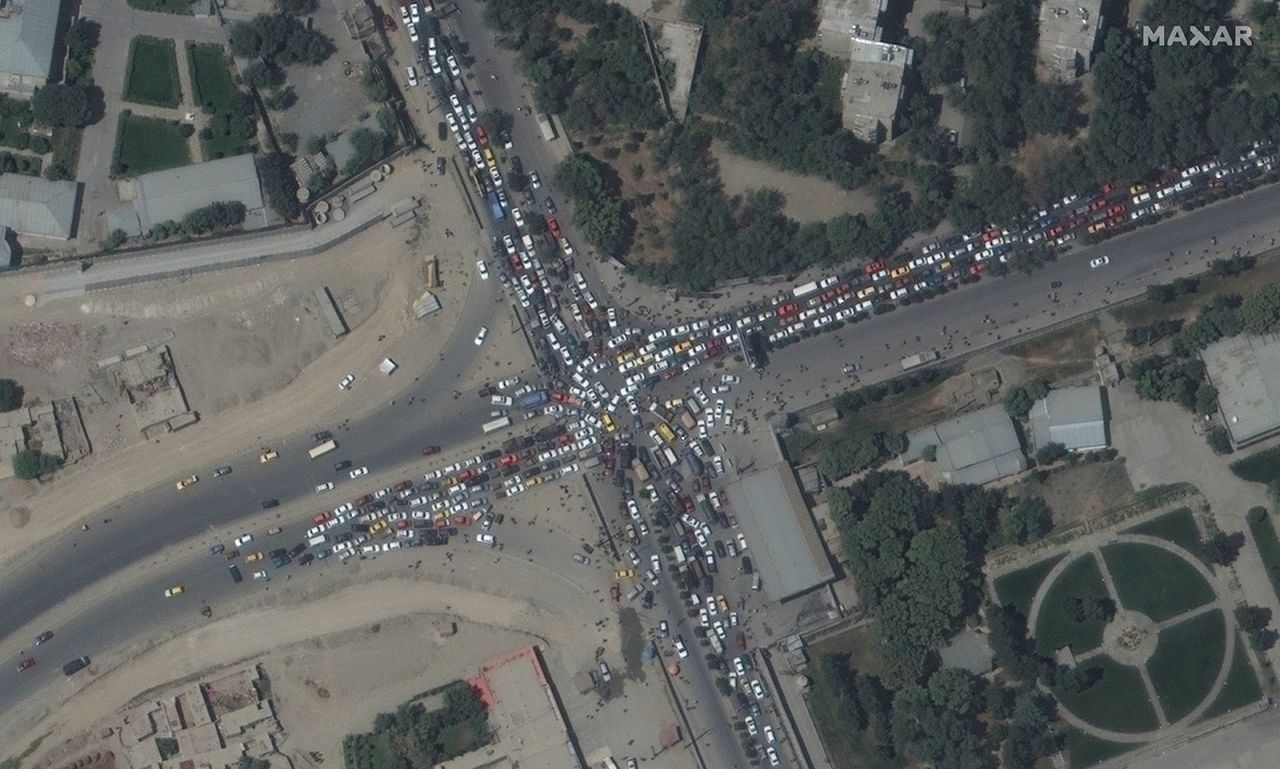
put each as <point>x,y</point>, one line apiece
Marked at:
<point>769,736</point>
<point>481,334</point>
<point>757,689</point>
<point>517,216</point>
<point>346,382</point>
<point>1101,261</point>
<point>412,72</point>
<point>486,539</point>
<point>359,471</point>
<point>535,181</point>
<point>323,487</point>
<point>483,269</point>
<point>752,729</point>
<point>243,540</point>
<point>773,756</point>
<point>730,379</point>
<point>454,69</point>
<point>260,574</point>
<point>682,651</point>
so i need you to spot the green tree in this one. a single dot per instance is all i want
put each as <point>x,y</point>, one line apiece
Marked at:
<point>63,106</point>
<point>1260,313</point>
<point>11,395</point>
<point>1020,399</point>
<point>1223,549</point>
<point>1050,452</point>
<point>1219,440</point>
<point>1048,108</point>
<point>263,75</point>
<point>1255,621</point>
<point>956,690</point>
<point>31,463</point>
<point>1029,518</point>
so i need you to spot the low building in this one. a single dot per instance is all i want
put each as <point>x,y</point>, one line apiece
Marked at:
<point>28,34</point>
<point>1245,369</point>
<point>840,22</point>
<point>1069,33</point>
<point>824,418</point>
<point>1072,416</point>
<point>785,547</point>
<point>39,207</point>
<point>168,196</point>
<point>871,90</point>
<point>978,447</point>
<point>8,252</point>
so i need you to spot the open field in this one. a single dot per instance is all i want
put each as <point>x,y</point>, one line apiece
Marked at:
<point>210,76</point>
<point>1019,587</point>
<point>1245,285</point>
<point>1177,526</point>
<point>1085,490</point>
<point>1060,354</point>
<point>1118,701</point>
<point>1186,663</point>
<point>1055,627</point>
<point>149,144</point>
<point>153,73</point>
<point>1155,582</point>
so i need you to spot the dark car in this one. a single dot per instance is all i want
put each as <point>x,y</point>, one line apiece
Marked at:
<point>236,576</point>
<point>516,166</point>
<point>551,205</point>
<point>45,636</point>
<point>75,665</point>
<point>320,437</point>
<point>429,450</point>
<point>217,549</point>
<point>442,131</point>
<point>221,471</point>
<point>306,559</point>
<point>341,465</point>
<point>440,165</point>
<point>28,662</point>
<point>267,504</point>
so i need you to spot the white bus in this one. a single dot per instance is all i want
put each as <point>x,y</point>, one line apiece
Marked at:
<point>497,424</point>
<point>322,449</point>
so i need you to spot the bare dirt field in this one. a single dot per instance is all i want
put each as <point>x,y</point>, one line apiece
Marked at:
<point>809,198</point>
<point>250,348</point>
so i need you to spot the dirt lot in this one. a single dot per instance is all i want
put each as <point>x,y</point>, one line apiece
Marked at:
<point>1081,492</point>
<point>251,351</point>
<point>809,198</point>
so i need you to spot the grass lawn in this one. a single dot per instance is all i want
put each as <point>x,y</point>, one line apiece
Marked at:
<point>801,445</point>
<point>1056,627</point>
<point>180,7</point>
<point>149,144</point>
<point>1087,750</point>
<point>1186,663</point>
<point>1245,285</point>
<point>1081,491</point>
<point>860,643</point>
<point>1018,588</point>
<point>1177,526</point>
<point>1060,354</point>
<point>1262,467</point>
<point>210,77</point>
<point>849,748</point>
<point>1241,687</point>
<point>1264,534</point>
<point>1118,701</point>
<point>153,73</point>
<point>12,134</point>
<point>1155,582</point>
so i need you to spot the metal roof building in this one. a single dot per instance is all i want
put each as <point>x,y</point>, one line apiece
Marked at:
<point>28,31</point>
<point>783,539</point>
<point>1245,369</point>
<point>30,205</point>
<point>1072,416</point>
<point>164,196</point>
<point>979,447</point>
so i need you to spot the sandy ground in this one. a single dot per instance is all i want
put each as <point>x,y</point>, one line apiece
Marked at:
<point>251,353</point>
<point>809,198</point>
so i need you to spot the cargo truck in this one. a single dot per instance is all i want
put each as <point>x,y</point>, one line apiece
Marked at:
<point>533,400</point>
<point>545,126</point>
<point>694,463</point>
<point>919,359</point>
<point>495,208</point>
<point>322,449</point>
<point>805,289</point>
<point>497,424</point>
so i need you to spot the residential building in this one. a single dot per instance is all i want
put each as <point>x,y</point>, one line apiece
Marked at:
<point>840,22</point>
<point>871,90</point>
<point>1069,33</point>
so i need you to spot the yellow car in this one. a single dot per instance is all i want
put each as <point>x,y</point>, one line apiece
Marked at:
<point>683,346</point>
<point>379,527</point>
<point>268,455</point>
<point>863,293</point>
<point>609,425</point>
<point>185,482</point>
<point>624,574</point>
<point>898,272</point>
<point>724,603</point>
<point>1138,189</point>
<point>254,557</point>
<point>175,591</point>
<point>1097,227</point>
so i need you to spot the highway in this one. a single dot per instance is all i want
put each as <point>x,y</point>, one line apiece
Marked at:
<point>153,519</point>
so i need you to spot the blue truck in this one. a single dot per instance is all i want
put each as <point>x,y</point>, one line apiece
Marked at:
<point>533,400</point>
<point>694,463</point>
<point>495,208</point>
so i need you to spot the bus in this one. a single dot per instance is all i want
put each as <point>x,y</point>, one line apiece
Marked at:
<point>666,433</point>
<point>497,424</point>
<point>322,449</point>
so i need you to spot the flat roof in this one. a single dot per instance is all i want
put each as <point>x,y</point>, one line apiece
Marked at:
<point>872,88</point>
<point>1069,32</point>
<point>1245,369</point>
<point>172,194</point>
<point>523,710</point>
<point>978,447</point>
<point>30,205</point>
<point>28,30</point>
<point>783,539</point>
<point>1072,416</point>
<point>840,21</point>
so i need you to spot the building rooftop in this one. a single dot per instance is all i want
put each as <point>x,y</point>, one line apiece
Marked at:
<point>872,88</point>
<point>28,31</point>
<point>7,254</point>
<point>840,21</point>
<point>1069,32</point>
<point>1072,416</point>
<point>979,447</point>
<point>169,195</point>
<point>785,547</point>
<point>30,205</point>
<point>1245,369</point>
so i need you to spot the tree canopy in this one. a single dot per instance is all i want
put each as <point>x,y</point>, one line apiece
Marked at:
<point>280,39</point>
<point>64,106</point>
